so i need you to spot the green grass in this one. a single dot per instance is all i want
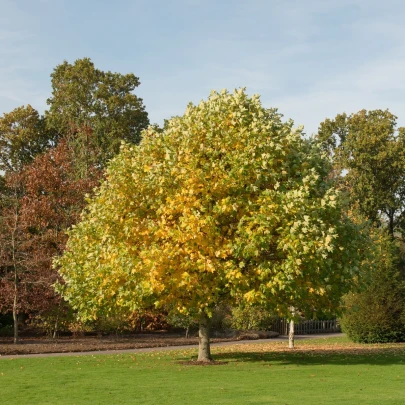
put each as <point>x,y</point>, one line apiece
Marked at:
<point>326,371</point>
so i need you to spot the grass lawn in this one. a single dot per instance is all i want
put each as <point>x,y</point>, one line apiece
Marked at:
<point>325,371</point>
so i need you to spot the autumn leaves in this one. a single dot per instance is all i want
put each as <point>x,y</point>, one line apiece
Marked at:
<point>228,203</point>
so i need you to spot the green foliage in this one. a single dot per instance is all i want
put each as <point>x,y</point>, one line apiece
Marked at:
<point>369,151</point>
<point>86,97</point>
<point>177,320</point>
<point>252,318</point>
<point>55,320</point>
<point>220,319</point>
<point>228,203</point>
<point>22,137</point>
<point>377,314</point>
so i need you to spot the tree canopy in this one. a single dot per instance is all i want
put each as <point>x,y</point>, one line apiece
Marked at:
<point>84,96</point>
<point>47,165</point>
<point>369,151</point>
<point>229,201</point>
<point>22,137</point>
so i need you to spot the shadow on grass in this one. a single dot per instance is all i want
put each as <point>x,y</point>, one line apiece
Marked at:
<point>381,357</point>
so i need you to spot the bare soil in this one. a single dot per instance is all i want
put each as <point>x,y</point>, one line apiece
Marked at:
<point>33,345</point>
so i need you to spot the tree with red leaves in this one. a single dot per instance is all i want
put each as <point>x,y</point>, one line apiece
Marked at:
<point>47,165</point>
<point>48,200</point>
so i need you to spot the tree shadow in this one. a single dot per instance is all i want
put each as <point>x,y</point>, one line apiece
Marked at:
<point>310,357</point>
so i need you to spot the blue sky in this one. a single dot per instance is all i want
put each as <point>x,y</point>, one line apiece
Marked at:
<point>310,58</point>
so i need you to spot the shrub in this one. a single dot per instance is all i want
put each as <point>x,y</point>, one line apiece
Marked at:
<point>252,318</point>
<point>377,314</point>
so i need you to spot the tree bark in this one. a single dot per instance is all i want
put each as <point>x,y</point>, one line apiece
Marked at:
<point>204,352</point>
<point>15,313</point>
<point>291,333</point>
<point>55,329</point>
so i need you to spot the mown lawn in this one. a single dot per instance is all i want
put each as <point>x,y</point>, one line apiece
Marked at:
<point>325,371</point>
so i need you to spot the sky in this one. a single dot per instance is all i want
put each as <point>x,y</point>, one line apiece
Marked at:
<point>312,59</point>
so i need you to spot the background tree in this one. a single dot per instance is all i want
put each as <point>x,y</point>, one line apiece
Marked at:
<point>369,157</point>
<point>369,154</point>
<point>22,137</point>
<point>34,224</point>
<point>55,194</point>
<point>83,96</point>
<point>377,313</point>
<point>12,258</point>
<point>47,165</point>
<point>227,202</point>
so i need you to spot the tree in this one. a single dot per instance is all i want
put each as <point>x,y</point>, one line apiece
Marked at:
<point>47,199</point>
<point>12,260</point>
<point>369,156</point>
<point>376,314</point>
<point>55,194</point>
<point>228,202</point>
<point>47,165</point>
<point>22,137</point>
<point>83,96</point>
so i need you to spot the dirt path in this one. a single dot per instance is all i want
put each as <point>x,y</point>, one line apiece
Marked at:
<point>166,348</point>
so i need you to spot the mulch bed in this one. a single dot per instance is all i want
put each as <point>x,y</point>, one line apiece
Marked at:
<point>34,345</point>
<point>202,363</point>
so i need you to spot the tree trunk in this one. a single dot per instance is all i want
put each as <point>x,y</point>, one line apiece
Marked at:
<point>55,329</point>
<point>291,333</point>
<point>391,224</point>
<point>15,314</point>
<point>204,353</point>
<point>13,247</point>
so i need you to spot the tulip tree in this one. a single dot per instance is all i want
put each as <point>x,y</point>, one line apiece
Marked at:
<point>228,202</point>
